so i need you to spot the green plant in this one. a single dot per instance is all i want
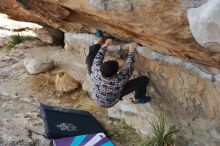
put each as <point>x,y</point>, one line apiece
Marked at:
<point>161,136</point>
<point>125,134</point>
<point>13,41</point>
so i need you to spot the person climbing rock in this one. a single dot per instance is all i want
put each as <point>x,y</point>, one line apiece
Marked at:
<point>109,83</point>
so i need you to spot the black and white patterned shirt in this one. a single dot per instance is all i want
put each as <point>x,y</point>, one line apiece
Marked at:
<point>107,90</point>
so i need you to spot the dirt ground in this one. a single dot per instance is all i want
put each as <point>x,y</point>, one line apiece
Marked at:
<point>15,80</point>
<point>120,133</point>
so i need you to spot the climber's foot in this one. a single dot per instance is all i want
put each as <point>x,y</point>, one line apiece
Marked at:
<point>99,33</point>
<point>142,100</point>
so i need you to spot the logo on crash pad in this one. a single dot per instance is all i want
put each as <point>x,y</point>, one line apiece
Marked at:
<point>67,127</point>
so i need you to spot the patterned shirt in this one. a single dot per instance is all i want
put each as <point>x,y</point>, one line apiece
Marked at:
<point>107,90</point>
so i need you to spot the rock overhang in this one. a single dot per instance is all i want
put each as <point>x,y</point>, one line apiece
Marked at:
<point>163,26</point>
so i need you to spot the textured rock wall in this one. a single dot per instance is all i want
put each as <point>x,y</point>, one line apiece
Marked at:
<point>184,74</point>
<point>193,3</point>
<point>50,35</point>
<point>161,25</point>
<point>187,93</point>
<point>205,24</point>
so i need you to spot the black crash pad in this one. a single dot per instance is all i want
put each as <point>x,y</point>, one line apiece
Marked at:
<point>61,122</point>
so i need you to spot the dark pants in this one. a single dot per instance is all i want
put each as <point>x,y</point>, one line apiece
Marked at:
<point>93,50</point>
<point>137,85</point>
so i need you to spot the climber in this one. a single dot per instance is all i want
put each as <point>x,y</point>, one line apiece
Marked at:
<point>109,83</point>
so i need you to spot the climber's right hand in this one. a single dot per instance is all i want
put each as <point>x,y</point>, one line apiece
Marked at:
<point>132,47</point>
<point>108,42</point>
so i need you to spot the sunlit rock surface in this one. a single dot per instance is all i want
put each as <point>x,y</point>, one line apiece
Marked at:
<point>50,35</point>
<point>20,123</point>
<point>205,24</point>
<point>161,25</point>
<point>186,92</point>
<point>179,51</point>
<point>38,65</point>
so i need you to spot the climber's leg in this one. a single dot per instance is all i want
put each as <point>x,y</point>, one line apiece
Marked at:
<point>93,50</point>
<point>137,85</point>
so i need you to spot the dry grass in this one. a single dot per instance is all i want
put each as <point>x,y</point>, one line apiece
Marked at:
<point>65,82</point>
<point>120,133</point>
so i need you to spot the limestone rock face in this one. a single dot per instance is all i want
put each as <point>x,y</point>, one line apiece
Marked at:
<point>21,125</point>
<point>38,65</point>
<point>72,40</point>
<point>205,24</point>
<point>112,5</point>
<point>193,3</point>
<point>134,115</point>
<point>179,52</point>
<point>161,25</point>
<point>186,93</point>
<point>49,35</point>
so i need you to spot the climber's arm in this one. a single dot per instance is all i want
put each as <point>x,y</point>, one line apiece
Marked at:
<point>98,60</point>
<point>128,69</point>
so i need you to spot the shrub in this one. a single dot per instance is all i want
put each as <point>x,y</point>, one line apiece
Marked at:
<point>160,136</point>
<point>13,41</point>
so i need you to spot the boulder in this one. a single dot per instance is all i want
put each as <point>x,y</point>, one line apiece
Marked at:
<point>161,25</point>
<point>179,51</point>
<point>134,115</point>
<point>205,24</point>
<point>80,40</point>
<point>187,93</point>
<point>38,65</point>
<point>50,35</point>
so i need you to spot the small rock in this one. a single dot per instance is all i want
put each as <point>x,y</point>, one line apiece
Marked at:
<point>38,65</point>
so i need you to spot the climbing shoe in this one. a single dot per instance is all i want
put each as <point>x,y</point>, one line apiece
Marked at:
<point>99,33</point>
<point>142,100</point>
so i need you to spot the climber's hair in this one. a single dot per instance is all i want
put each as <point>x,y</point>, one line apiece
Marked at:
<point>109,68</point>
